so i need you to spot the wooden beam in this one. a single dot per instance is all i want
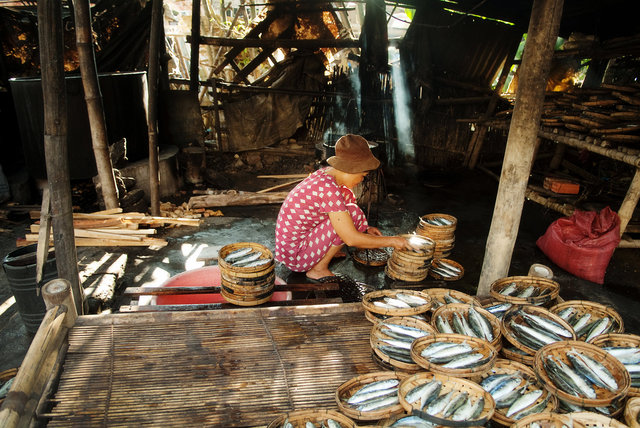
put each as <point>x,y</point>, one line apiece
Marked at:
<point>274,44</point>
<point>152,104</point>
<point>280,186</point>
<point>212,306</point>
<point>239,199</point>
<point>630,201</point>
<point>519,153</point>
<point>170,291</point>
<point>194,40</point>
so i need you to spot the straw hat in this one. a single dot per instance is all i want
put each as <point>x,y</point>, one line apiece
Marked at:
<point>353,155</point>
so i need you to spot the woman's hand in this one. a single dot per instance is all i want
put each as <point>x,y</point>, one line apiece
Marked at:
<point>374,231</point>
<point>400,243</point>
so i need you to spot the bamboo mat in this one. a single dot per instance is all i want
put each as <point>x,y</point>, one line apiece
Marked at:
<point>231,368</point>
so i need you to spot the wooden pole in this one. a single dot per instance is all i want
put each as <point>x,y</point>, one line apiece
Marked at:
<point>152,107</point>
<point>194,73</point>
<point>521,142</point>
<point>55,143</point>
<point>57,292</point>
<point>630,201</point>
<point>93,98</point>
<point>44,232</point>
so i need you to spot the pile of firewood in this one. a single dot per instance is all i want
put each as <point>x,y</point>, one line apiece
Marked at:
<point>113,228</point>
<point>169,209</point>
<point>609,115</point>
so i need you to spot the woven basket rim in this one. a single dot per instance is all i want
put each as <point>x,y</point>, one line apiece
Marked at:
<point>547,416</point>
<point>452,262</point>
<point>592,307</point>
<point>437,292</point>
<point>537,300</point>
<point>619,372</point>
<point>224,251</point>
<point>374,339</point>
<point>600,420</point>
<point>358,381</point>
<point>526,360</point>
<point>368,305</point>
<point>322,414</point>
<point>631,411</point>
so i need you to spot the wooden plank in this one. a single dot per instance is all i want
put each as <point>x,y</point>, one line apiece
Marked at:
<point>96,242</point>
<point>238,199</point>
<point>210,306</point>
<point>280,186</point>
<point>169,291</point>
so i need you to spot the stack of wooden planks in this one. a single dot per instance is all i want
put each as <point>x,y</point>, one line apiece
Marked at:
<point>113,228</point>
<point>608,116</point>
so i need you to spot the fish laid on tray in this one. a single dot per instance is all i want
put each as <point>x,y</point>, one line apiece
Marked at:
<point>513,395</point>
<point>438,221</point>
<point>444,269</point>
<point>246,257</point>
<point>629,356</point>
<point>375,396</point>
<point>448,299</point>
<point>470,323</point>
<point>514,290</point>
<point>397,344</point>
<point>587,325</point>
<point>537,331</point>
<point>567,407</point>
<point>400,301</point>
<point>453,405</point>
<point>328,423</point>
<point>499,309</point>
<point>579,377</point>
<point>454,355</point>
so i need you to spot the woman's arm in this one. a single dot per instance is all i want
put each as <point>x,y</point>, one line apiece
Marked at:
<point>346,230</point>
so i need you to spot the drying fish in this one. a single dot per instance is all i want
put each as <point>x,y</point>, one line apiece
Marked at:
<point>511,397</point>
<point>480,323</point>
<point>596,369</point>
<point>444,273</point>
<point>255,263</point>
<point>536,408</point>
<point>546,324</point>
<point>625,354</point>
<point>505,387</point>
<point>524,402</point>
<point>449,266</point>
<point>533,336</point>
<point>424,394</point>
<point>397,343</point>
<point>287,424</point>
<point>448,298</point>
<point>379,384</point>
<point>236,254</point>
<point>454,404</point>
<point>406,330</point>
<point>411,300</point>
<point>601,327</point>
<point>308,424</point>
<point>446,354</point>
<point>572,378</point>
<point>332,424</point>
<point>379,403</point>
<point>439,403</point>
<point>371,396</point>
<point>527,292</point>
<point>566,313</point>
<point>443,325</point>
<point>6,387</point>
<point>492,381</point>
<point>248,258</point>
<point>498,308</point>
<point>396,303</point>
<point>580,324</point>
<point>412,422</point>
<point>397,353</point>
<point>509,289</point>
<point>465,361</point>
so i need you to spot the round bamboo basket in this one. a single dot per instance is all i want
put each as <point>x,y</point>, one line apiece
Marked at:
<point>8,374</point>
<point>449,383</point>
<point>512,353</point>
<point>462,309</point>
<point>392,271</point>
<point>596,310</point>
<point>246,286</point>
<point>514,314</point>
<point>548,420</point>
<point>604,397</point>
<point>369,299</point>
<point>619,339</point>
<point>631,412</point>
<point>438,294</point>
<point>371,257</point>
<point>477,345</point>
<point>529,378</point>
<point>549,290</point>
<point>592,419</point>
<point>298,418</point>
<point>613,411</point>
<point>348,388</point>
<point>378,335</point>
<point>435,263</point>
<point>411,266</point>
<point>436,231</point>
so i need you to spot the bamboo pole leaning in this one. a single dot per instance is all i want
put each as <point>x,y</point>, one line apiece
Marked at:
<point>95,108</point>
<point>152,106</point>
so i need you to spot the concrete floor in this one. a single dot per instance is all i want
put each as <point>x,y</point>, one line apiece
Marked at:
<point>469,196</point>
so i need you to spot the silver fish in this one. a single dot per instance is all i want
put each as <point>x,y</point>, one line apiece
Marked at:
<point>598,370</point>
<point>333,424</point>
<point>372,395</point>
<point>546,324</point>
<point>443,325</point>
<point>492,381</point>
<point>376,385</point>
<point>626,355</point>
<point>454,404</point>
<point>248,258</point>
<point>577,380</point>
<point>439,403</point>
<point>478,407</point>
<point>450,299</point>
<point>509,289</point>
<point>534,333</point>
<point>425,393</point>
<point>581,323</point>
<point>287,424</point>
<point>500,307</point>
<point>308,424</point>
<point>437,347</point>
<point>236,254</point>
<point>463,412</point>
<point>449,352</point>
<point>411,300</point>
<point>503,389</point>
<point>464,361</point>
<point>379,403</point>
<point>449,266</point>
<point>412,422</point>
<point>566,313</point>
<point>527,292</point>
<point>524,402</point>
<point>536,408</point>
<point>406,330</point>
<point>255,263</point>
<point>397,343</point>
<point>601,327</point>
<point>396,303</point>
<point>481,323</point>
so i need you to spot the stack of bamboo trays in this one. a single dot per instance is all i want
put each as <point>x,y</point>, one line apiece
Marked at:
<point>411,266</point>
<point>441,229</point>
<point>247,285</point>
<point>112,228</point>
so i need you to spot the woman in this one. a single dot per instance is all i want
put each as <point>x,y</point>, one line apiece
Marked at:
<point>320,214</point>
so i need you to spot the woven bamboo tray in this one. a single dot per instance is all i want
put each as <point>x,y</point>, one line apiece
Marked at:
<point>619,339</point>
<point>514,314</point>
<point>435,263</point>
<point>551,289</point>
<point>548,420</point>
<point>596,310</point>
<point>377,334</point>
<point>437,295</point>
<point>631,412</point>
<point>393,272</point>
<point>297,418</point>
<point>373,296</point>
<point>244,271</point>
<point>449,383</point>
<point>462,309</point>
<point>348,388</point>
<point>511,367</point>
<point>592,419</point>
<point>604,397</point>
<point>371,257</point>
<point>477,345</point>
<point>437,232</point>
<point>8,374</point>
<point>613,411</point>
<point>512,353</point>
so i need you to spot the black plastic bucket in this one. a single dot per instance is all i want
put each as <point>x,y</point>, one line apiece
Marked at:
<point>20,268</point>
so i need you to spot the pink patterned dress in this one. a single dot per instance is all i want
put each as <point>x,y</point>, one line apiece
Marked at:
<point>304,232</point>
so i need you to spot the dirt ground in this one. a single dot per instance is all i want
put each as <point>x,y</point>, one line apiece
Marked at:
<point>407,194</point>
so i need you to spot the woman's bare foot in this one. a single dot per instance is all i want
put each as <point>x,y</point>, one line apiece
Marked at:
<point>318,273</point>
<point>340,254</point>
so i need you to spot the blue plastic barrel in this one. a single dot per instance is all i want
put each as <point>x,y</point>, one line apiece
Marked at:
<point>20,268</point>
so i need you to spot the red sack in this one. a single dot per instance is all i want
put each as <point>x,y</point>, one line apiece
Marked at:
<point>583,243</point>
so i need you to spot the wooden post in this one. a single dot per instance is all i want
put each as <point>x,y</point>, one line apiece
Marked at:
<point>43,234</point>
<point>152,107</point>
<point>57,292</point>
<point>55,144</point>
<point>630,201</point>
<point>523,132</point>
<point>194,73</point>
<point>93,98</point>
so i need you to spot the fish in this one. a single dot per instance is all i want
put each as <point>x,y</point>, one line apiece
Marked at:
<point>372,395</point>
<point>581,323</point>
<point>379,403</point>
<point>566,313</point>
<point>478,407</point>
<point>406,330</point>
<point>444,273</point>
<point>412,300</point>
<point>413,422</point>
<point>448,298</point>
<point>503,389</point>
<point>454,404</point>
<point>333,424</point>
<point>536,408</point>
<point>465,361</point>
<point>525,401</point>
<point>598,370</point>
<point>546,324</point>
<point>574,378</point>
<point>437,347</point>
<point>626,355</point>
<point>509,289</point>
<point>481,323</point>
<point>397,343</point>
<point>492,381</point>
<point>443,325</point>
<point>396,303</point>
<point>397,354</point>
<point>246,259</point>
<point>236,254</point>
<point>458,326</point>
<point>449,353</point>
<point>449,266</point>
<point>376,385</point>
<point>439,403</point>
<point>542,337</point>
<point>6,387</point>
<point>308,424</point>
<point>511,397</point>
<point>464,412</point>
<point>601,327</point>
<point>383,305</point>
<point>287,424</point>
<point>425,393</point>
<point>527,292</point>
<point>255,263</point>
<point>498,308</point>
